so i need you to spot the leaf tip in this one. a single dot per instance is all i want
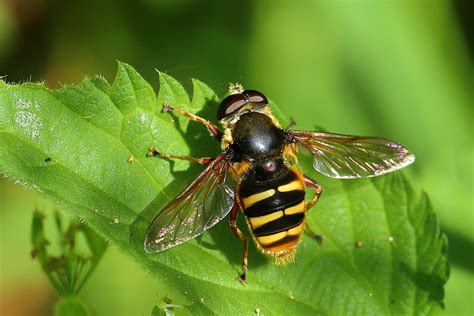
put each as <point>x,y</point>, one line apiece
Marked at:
<point>163,75</point>
<point>120,63</point>
<point>124,66</point>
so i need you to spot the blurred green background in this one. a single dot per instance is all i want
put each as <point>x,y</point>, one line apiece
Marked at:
<point>398,69</point>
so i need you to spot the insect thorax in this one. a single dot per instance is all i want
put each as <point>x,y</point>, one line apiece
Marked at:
<point>256,138</point>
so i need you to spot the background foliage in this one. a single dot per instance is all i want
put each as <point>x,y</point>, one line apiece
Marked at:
<point>401,70</point>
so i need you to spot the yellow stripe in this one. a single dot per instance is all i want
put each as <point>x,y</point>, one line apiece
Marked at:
<point>256,222</point>
<point>249,201</point>
<point>266,240</point>
<point>292,186</point>
<point>296,230</point>
<point>299,208</point>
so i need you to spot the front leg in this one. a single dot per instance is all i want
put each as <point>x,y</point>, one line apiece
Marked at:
<point>211,127</point>
<point>203,161</point>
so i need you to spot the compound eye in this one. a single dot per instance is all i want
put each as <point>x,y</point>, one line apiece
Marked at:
<point>230,104</point>
<point>253,96</point>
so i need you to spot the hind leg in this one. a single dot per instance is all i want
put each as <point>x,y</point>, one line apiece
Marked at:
<point>245,243</point>
<point>310,183</point>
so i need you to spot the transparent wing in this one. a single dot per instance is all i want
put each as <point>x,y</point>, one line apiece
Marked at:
<point>348,157</point>
<point>200,206</point>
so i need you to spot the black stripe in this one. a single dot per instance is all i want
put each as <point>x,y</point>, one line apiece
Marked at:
<point>278,201</point>
<point>281,224</point>
<point>283,241</point>
<point>251,186</point>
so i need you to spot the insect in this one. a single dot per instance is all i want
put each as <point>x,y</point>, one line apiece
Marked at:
<point>257,172</point>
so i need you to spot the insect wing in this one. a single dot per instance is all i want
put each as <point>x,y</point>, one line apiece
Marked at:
<point>200,206</point>
<point>347,157</point>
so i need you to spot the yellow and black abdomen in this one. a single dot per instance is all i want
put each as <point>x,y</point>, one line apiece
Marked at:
<point>275,210</point>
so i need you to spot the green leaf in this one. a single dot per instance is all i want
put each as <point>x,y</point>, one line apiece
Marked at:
<point>383,252</point>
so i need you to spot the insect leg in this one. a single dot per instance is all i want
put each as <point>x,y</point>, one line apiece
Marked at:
<point>310,183</point>
<point>203,161</point>
<point>211,127</point>
<point>238,233</point>
<point>312,234</point>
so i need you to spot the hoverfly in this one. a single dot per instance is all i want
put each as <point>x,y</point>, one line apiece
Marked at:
<point>257,172</point>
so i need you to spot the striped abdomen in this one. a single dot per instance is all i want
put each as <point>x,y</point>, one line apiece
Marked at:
<point>275,210</point>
